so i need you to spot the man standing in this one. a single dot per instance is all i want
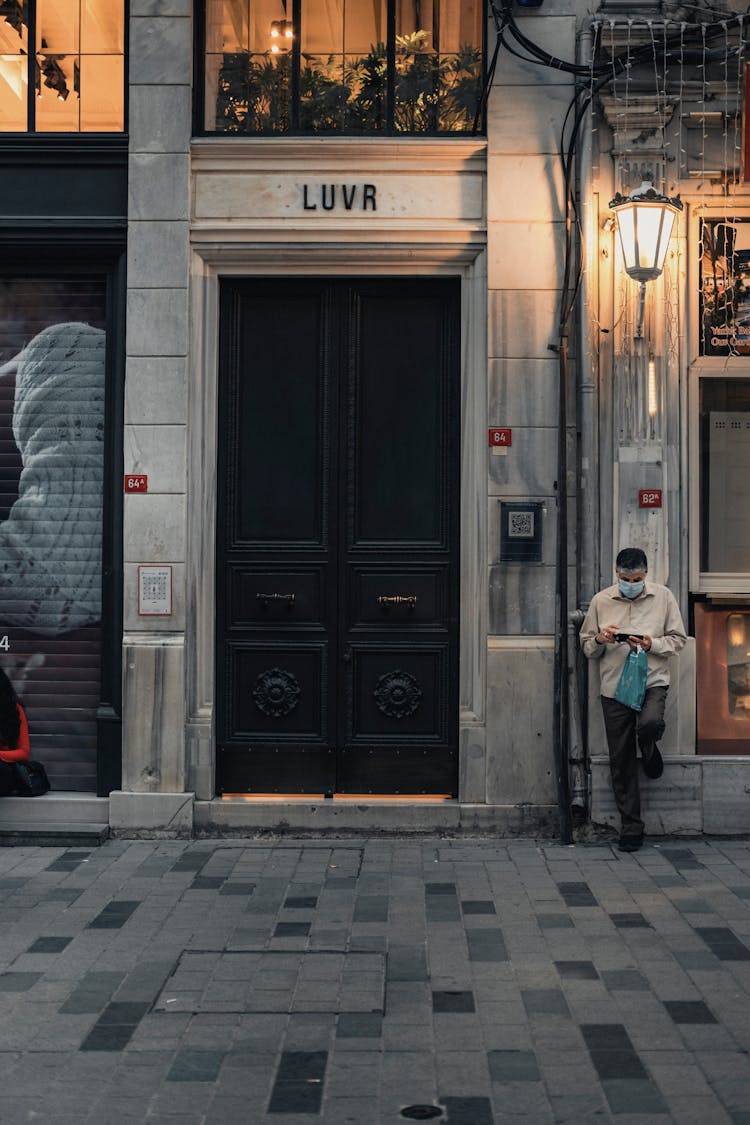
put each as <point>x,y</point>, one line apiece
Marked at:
<point>622,617</point>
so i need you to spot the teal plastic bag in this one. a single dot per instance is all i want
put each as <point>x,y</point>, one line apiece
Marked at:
<point>631,687</point>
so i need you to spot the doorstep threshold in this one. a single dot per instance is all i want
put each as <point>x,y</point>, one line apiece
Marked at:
<point>315,813</point>
<point>342,798</point>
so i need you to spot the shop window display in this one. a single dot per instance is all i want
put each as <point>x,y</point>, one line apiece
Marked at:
<point>391,67</point>
<point>62,66</point>
<point>723,661</point>
<point>52,383</point>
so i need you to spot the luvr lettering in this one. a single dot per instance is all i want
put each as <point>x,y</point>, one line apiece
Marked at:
<point>332,196</point>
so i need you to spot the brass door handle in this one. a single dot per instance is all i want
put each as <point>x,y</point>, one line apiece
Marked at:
<point>387,600</point>
<point>266,599</point>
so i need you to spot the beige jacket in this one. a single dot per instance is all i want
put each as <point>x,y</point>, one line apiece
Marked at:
<point>655,613</point>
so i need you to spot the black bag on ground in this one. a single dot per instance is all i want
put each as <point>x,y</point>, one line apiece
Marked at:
<point>31,779</point>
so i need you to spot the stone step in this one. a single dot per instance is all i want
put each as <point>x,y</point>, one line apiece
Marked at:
<point>60,807</point>
<point>56,820</point>
<point>20,833</point>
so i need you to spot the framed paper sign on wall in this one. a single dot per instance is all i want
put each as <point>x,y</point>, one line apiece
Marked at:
<point>155,591</point>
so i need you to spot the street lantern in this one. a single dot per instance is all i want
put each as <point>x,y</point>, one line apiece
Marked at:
<point>645,220</point>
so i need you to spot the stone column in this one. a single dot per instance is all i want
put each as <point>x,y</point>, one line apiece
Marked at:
<point>526,230</point>
<point>640,366</point>
<point>161,57</point>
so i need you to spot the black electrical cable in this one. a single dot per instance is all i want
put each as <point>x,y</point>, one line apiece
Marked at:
<point>618,62</point>
<point>489,79</point>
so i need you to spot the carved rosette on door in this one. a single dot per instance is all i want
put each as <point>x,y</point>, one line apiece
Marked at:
<point>398,694</point>
<point>276,693</point>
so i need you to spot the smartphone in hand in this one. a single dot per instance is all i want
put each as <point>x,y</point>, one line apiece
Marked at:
<point>624,636</point>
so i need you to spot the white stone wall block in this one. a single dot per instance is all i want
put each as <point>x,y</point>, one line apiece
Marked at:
<point>157,322</point>
<point>522,601</point>
<point>159,452</point>
<point>525,188</point>
<point>158,186</point>
<point>157,814</point>
<point>670,806</point>
<point>153,717</point>
<point>160,118</point>
<point>154,528</point>
<point>523,392</point>
<point>200,757</point>
<point>472,767</point>
<point>156,390</point>
<point>726,795</point>
<point>161,50</point>
<point>522,323</point>
<point>158,254</point>
<point>528,122</point>
<point>525,255</point>
<point>519,753</point>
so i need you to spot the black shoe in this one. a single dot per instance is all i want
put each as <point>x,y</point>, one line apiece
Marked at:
<point>630,843</point>
<point>653,764</point>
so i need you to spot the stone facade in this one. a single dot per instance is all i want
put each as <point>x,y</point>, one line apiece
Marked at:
<point>493,212</point>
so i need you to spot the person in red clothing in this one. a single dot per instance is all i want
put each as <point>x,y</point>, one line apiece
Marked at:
<point>14,736</point>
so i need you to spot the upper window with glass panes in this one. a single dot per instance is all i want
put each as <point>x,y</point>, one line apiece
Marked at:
<point>388,67</point>
<point>62,66</point>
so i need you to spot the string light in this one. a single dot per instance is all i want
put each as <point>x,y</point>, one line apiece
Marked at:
<point>652,398</point>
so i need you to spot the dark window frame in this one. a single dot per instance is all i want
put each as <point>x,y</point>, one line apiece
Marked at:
<point>31,130</point>
<point>73,253</point>
<point>388,133</point>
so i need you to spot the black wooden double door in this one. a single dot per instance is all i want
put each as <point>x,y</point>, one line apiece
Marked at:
<point>337,536</point>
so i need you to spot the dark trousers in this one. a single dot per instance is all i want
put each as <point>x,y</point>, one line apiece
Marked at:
<point>626,727</point>
<point>8,781</point>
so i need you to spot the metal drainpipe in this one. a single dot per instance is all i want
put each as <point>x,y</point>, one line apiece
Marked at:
<point>588,530</point>
<point>561,692</point>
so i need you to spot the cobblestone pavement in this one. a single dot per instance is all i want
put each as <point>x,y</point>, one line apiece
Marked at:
<point>226,982</point>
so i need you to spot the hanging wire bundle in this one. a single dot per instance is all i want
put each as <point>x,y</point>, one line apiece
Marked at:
<point>633,56</point>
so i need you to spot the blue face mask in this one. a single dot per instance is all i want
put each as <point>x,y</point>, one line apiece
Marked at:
<point>631,589</point>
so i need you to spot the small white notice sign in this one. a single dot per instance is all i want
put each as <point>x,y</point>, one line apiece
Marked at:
<point>155,591</point>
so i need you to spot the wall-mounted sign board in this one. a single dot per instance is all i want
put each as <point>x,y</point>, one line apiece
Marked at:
<point>155,591</point>
<point>521,531</point>
<point>136,482</point>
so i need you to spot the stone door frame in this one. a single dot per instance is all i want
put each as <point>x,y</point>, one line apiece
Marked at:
<point>209,262</point>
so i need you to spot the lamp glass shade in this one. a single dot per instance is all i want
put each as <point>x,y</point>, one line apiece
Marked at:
<point>645,228</point>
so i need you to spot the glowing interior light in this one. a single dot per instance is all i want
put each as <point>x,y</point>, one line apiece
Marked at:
<point>281,30</point>
<point>652,398</point>
<point>736,630</point>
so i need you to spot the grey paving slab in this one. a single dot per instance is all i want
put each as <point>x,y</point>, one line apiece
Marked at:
<point>494,981</point>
